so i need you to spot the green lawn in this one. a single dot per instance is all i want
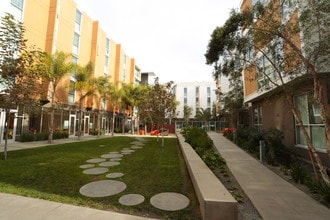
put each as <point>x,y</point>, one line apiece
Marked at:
<point>53,173</point>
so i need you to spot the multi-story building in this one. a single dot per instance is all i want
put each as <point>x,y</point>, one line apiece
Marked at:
<point>197,95</point>
<point>57,25</point>
<point>268,104</point>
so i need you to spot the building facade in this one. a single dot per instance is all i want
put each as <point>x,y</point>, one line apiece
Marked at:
<point>268,104</point>
<point>57,25</point>
<point>197,95</point>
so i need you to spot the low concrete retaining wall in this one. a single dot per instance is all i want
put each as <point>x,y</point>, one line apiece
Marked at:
<point>214,199</point>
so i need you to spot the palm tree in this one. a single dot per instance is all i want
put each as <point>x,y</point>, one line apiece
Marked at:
<point>203,115</point>
<point>101,86</point>
<point>130,95</point>
<point>86,86</point>
<point>54,68</point>
<point>113,94</point>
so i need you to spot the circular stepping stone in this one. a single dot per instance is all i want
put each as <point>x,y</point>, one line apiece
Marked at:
<point>131,199</point>
<point>114,175</point>
<point>102,188</point>
<point>111,155</point>
<point>169,201</point>
<point>96,171</point>
<point>136,147</point>
<point>137,143</point>
<point>128,151</point>
<point>115,159</point>
<point>95,160</point>
<point>109,164</point>
<point>114,152</point>
<point>101,145</point>
<point>87,166</point>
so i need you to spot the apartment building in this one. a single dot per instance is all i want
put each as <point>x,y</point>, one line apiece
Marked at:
<point>57,25</point>
<point>268,104</point>
<point>196,95</point>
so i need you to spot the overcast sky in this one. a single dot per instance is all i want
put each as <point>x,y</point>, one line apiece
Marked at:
<point>167,37</point>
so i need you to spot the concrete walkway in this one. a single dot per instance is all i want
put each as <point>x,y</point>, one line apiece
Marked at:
<point>272,196</point>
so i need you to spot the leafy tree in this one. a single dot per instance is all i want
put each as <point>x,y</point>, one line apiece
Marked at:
<point>279,44</point>
<point>19,85</point>
<point>53,69</point>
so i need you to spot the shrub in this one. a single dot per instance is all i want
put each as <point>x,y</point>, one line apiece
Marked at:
<point>95,132</point>
<point>276,152</point>
<point>229,133</point>
<point>41,136</point>
<point>212,159</point>
<point>27,137</point>
<point>198,139</point>
<point>248,139</point>
<point>298,173</point>
<point>320,188</point>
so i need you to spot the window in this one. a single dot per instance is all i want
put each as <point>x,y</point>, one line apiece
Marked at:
<point>107,46</point>
<point>18,4</point>
<point>287,7</point>
<point>265,73</point>
<point>208,89</point>
<point>185,98</point>
<point>257,117</point>
<point>310,114</point>
<point>78,21</point>
<point>76,39</point>
<point>17,10</point>
<point>208,102</point>
<point>71,92</point>
<point>197,91</point>
<point>106,65</point>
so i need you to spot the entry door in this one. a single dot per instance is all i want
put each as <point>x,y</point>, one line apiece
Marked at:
<point>86,123</point>
<point>72,125</point>
<point>12,123</point>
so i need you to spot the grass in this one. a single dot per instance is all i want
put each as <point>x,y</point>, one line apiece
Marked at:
<point>53,173</point>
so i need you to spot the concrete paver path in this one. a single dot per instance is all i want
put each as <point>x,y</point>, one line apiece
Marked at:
<point>272,196</point>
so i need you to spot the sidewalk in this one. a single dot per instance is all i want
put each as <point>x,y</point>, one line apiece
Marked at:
<point>272,196</point>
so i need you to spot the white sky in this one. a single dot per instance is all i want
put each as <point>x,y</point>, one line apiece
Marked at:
<point>167,37</point>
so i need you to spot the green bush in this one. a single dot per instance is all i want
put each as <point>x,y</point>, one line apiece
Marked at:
<point>298,173</point>
<point>197,138</point>
<point>248,139</point>
<point>212,159</point>
<point>41,136</point>
<point>276,152</point>
<point>27,137</point>
<point>320,188</point>
<point>95,132</point>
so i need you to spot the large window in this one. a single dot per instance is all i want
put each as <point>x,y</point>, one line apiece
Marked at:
<point>311,119</point>
<point>185,96</point>
<point>78,21</point>
<point>76,39</point>
<point>257,117</point>
<point>17,9</point>
<point>71,93</point>
<point>287,7</point>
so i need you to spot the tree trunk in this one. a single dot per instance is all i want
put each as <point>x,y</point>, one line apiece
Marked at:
<point>6,134</point>
<point>113,122</point>
<point>51,125</point>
